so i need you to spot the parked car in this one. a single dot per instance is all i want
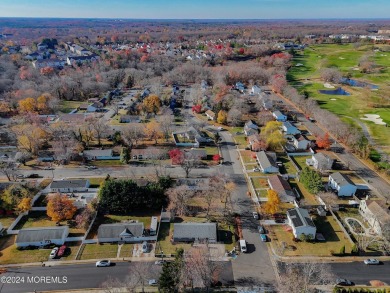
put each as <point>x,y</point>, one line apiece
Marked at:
<point>152,282</point>
<point>371,261</point>
<point>34,175</point>
<point>256,169</point>
<point>20,176</point>
<point>91,167</point>
<point>255,215</point>
<point>103,263</point>
<point>140,157</point>
<point>261,229</point>
<point>220,128</point>
<point>344,282</point>
<point>263,237</point>
<point>159,262</point>
<point>61,251</point>
<point>53,252</point>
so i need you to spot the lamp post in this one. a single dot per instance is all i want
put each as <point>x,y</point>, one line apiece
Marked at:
<point>162,256</point>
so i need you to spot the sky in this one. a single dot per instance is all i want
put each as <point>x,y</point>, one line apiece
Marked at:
<point>197,9</point>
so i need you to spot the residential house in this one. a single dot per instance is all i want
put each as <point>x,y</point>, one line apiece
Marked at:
<point>341,184</point>
<point>52,63</point>
<point>279,116</point>
<point>99,154</point>
<point>33,56</point>
<point>145,93</point>
<point>41,236</point>
<point>194,183</point>
<point>282,187</point>
<point>267,163</point>
<point>301,143</point>
<point>198,154</point>
<point>190,232</point>
<point>95,107</point>
<point>250,128</point>
<point>301,223</point>
<point>377,214</point>
<point>83,107</point>
<point>254,143</point>
<point>74,118</point>
<point>45,156</point>
<point>255,90</point>
<point>240,87</point>
<point>122,232</point>
<point>76,185</point>
<point>204,85</point>
<point>77,60</point>
<point>289,129</point>
<point>210,115</point>
<point>129,119</point>
<point>320,161</point>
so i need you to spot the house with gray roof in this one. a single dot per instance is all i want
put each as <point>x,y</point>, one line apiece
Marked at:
<point>289,129</point>
<point>100,155</point>
<point>279,116</point>
<point>122,232</point>
<point>320,162</point>
<point>341,184</point>
<point>250,128</point>
<point>190,232</point>
<point>76,185</point>
<point>40,236</point>
<point>301,223</point>
<point>266,163</point>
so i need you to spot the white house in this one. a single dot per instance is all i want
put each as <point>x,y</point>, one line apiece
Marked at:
<point>53,63</point>
<point>190,232</point>
<point>279,116</point>
<point>376,213</point>
<point>240,87</point>
<point>77,185</point>
<point>320,162</point>
<point>341,184</point>
<point>123,232</point>
<point>301,223</point>
<point>266,163</point>
<point>290,129</point>
<point>301,143</point>
<point>99,154</point>
<point>41,236</point>
<point>210,115</point>
<point>255,90</point>
<point>250,128</point>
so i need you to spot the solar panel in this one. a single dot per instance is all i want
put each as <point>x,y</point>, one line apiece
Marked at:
<point>297,221</point>
<point>309,222</point>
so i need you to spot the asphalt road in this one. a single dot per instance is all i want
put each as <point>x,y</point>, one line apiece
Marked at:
<point>69,277</point>
<point>361,274</point>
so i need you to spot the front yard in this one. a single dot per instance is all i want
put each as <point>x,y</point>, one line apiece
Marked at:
<point>283,243</point>
<point>99,251</point>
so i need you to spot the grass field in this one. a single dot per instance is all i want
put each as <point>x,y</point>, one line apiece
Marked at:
<point>99,251</point>
<point>346,59</point>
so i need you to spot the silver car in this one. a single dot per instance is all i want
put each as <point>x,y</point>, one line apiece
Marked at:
<point>371,261</point>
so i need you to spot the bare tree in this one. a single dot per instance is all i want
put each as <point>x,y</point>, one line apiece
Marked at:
<point>8,168</point>
<point>166,120</point>
<point>234,117</point>
<point>131,134</point>
<point>331,75</point>
<point>98,126</point>
<point>179,198</point>
<point>302,277</point>
<point>329,198</point>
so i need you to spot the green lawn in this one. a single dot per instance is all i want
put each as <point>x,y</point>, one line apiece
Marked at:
<point>345,58</point>
<point>12,256</point>
<point>68,106</point>
<point>332,232</point>
<point>110,219</point>
<point>301,161</point>
<point>35,219</point>
<point>262,193</point>
<point>247,156</point>
<point>241,141</point>
<point>126,250</point>
<point>6,221</point>
<point>308,197</point>
<point>99,251</point>
<point>288,167</point>
<point>164,240</point>
<point>259,183</point>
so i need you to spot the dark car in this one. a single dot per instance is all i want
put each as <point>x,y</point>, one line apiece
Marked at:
<point>34,175</point>
<point>344,282</point>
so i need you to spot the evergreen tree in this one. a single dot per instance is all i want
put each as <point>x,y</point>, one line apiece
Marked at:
<point>125,155</point>
<point>312,180</point>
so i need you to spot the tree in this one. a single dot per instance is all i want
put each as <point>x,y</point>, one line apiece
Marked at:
<point>197,108</point>
<point>165,121</point>
<point>171,275</point>
<point>60,208</point>
<point>97,127</point>
<point>222,117</point>
<point>329,198</point>
<point>12,196</point>
<point>8,168</point>
<point>217,158</point>
<point>27,105</point>
<point>331,75</point>
<point>324,141</point>
<point>312,180</point>
<point>151,104</point>
<point>84,219</point>
<point>176,156</point>
<point>24,205</point>
<point>125,155</point>
<point>132,134</point>
<point>179,198</point>
<point>185,159</point>
<point>272,136</point>
<point>272,205</point>
<point>302,277</point>
<point>153,131</point>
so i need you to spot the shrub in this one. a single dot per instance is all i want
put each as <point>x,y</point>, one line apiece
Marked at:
<point>342,250</point>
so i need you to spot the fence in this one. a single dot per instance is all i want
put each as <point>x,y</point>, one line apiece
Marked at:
<point>342,227</point>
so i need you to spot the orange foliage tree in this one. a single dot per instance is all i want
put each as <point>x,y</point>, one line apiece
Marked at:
<point>60,208</point>
<point>273,202</point>
<point>324,142</point>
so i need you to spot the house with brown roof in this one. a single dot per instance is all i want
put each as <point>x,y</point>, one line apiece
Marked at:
<point>254,141</point>
<point>376,213</point>
<point>210,115</point>
<point>282,187</point>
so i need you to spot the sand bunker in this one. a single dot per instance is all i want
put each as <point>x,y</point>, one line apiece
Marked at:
<point>355,68</point>
<point>298,64</point>
<point>333,99</point>
<point>342,58</point>
<point>374,118</point>
<point>328,85</point>
<point>383,55</point>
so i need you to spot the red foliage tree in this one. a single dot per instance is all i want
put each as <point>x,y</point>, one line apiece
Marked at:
<point>197,108</point>
<point>177,156</point>
<point>324,142</point>
<point>217,158</point>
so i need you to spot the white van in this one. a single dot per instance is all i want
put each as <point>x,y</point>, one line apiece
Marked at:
<point>243,245</point>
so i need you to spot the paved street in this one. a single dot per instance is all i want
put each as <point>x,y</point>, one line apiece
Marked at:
<point>80,276</point>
